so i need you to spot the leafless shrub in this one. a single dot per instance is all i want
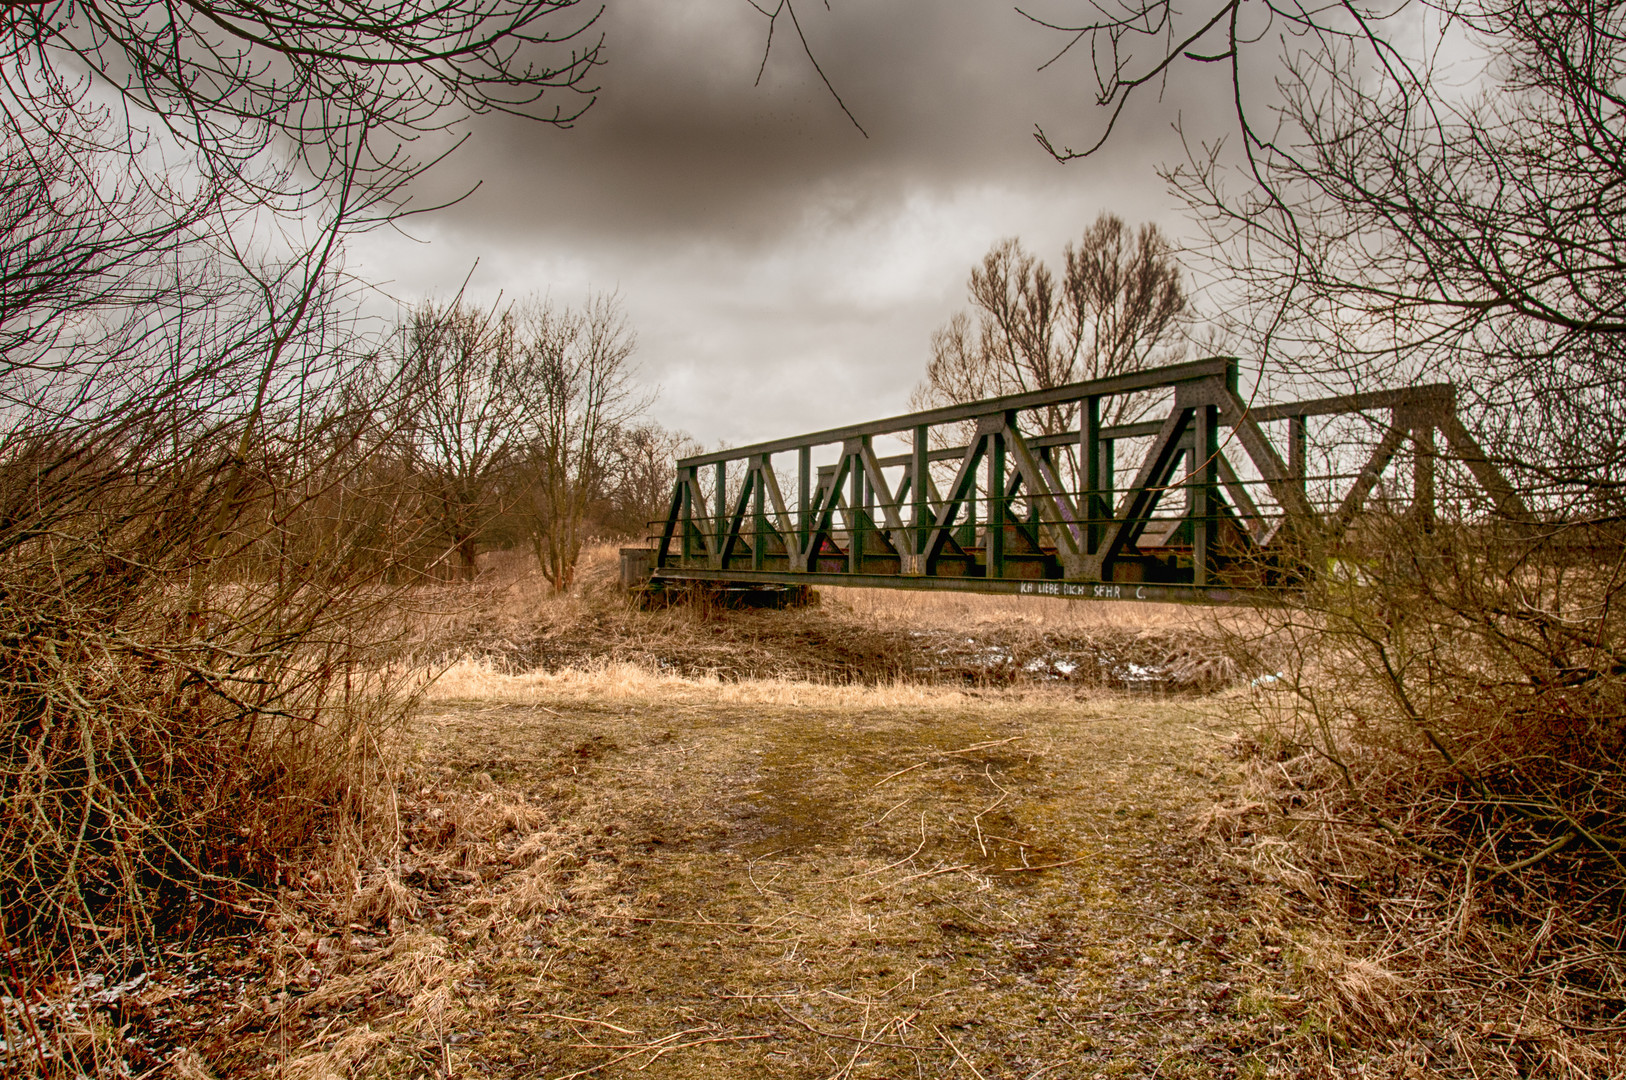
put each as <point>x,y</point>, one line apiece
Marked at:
<point>195,636</point>
<point>1441,763</point>
<point>194,685</point>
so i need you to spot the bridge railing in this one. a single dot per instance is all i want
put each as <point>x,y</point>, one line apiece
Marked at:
<point>1035,493</point>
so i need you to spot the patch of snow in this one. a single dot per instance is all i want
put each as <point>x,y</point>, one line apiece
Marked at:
<point>1134,672</point>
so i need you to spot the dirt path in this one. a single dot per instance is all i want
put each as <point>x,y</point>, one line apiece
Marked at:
<point>988,888</point>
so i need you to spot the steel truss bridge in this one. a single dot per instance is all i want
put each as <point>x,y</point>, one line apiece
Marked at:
<point>1213,510</point>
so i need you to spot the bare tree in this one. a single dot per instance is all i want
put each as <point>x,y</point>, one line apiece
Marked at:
<point>1415,192</point>
<point>1125,299</point>
<point>578,395</point>
<point>1120,306</point>
<point>641,484</point>
<point>464,373</point>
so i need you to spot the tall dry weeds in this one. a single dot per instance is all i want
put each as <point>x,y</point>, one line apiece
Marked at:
<point>194,695</point>
<point>1439,770</point>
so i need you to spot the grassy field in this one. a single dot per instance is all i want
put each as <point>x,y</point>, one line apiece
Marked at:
<point>619,874</point>
<point>889,836</point>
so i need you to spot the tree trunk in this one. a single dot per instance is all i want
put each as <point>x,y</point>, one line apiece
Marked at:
<point>468,555</point>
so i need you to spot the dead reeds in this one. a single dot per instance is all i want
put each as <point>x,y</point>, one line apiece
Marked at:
<point>195,705</point>
<point>1438,771</point>
<point>516,626</point>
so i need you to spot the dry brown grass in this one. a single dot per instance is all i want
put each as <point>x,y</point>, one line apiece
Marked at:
<point>611,867</point>
<point>480,680</point>
<point>1431,968</point>
<point>870,637</point>
<point>191,706</point>
<point>1436,782</point>
<point>613,876</point>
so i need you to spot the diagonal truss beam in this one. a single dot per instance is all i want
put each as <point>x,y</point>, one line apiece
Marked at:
<point>1144,492</point>
<point>961,491</point>
<point>1039,476</point>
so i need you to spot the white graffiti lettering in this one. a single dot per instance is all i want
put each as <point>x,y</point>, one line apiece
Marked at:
<point>1068,588</point>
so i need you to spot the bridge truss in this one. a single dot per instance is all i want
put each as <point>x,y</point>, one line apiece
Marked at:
<point>1195,500</point>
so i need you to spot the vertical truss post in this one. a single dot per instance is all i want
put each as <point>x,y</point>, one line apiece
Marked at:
<point>1109,474</point>
<point>759,537</point>
<point>997,505</point>
<point>804,494</point>
<point>719,503</point>
<point>1186,464</point>
<point>1203,464</point>
<point>1422,481</point>
<point>1298,439</point>
<point>855,516</point>
<point>1089,459</point>
<point>686,482</point>
<point>920,513</point>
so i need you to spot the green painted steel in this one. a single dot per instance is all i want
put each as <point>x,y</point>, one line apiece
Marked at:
<point>1066,590</point>
<point>1213,513</point>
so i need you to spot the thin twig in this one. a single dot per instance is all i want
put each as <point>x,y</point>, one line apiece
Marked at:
<point>1041,866</point>
<point>934,872</point>
<point>900,772</point>
<point>837,1034</point>
<point>958,1054</point>
<point>585,1020</point>
<point>888,866</point>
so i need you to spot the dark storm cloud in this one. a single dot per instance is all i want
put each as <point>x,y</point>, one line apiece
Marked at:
<point>681,143</point>
<point>782,271</point>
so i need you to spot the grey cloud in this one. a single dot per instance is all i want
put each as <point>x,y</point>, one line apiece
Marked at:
<point>783,272</point>
<point>681,143</point>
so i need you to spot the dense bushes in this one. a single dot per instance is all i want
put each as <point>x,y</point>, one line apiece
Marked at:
<point>1470,686</point>
<point>193,538</point>
<point>1449,751</point>
<point>190,675</point>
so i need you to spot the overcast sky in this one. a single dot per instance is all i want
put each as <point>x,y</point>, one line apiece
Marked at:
<point>783,272</point>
